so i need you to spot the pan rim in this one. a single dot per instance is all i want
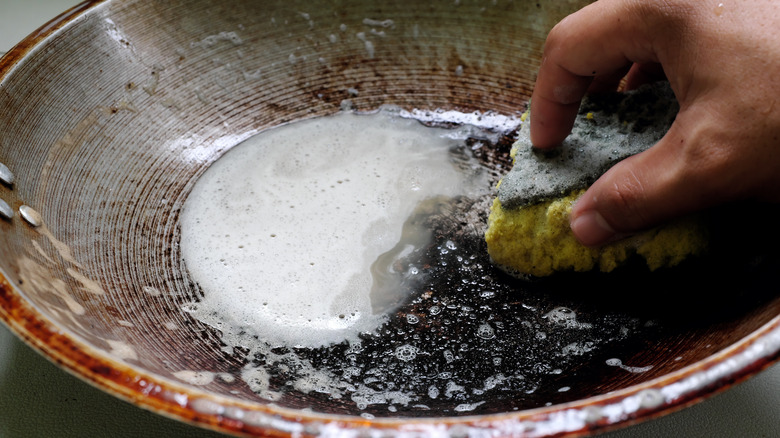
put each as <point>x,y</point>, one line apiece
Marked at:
<point>749,356</point>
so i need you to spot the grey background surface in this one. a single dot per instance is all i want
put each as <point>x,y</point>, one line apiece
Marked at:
<point>38,399</point>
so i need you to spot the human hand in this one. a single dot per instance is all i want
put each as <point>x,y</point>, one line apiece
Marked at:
<point>722,60</point>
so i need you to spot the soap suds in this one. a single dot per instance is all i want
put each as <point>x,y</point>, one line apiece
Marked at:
<point>281,232</point>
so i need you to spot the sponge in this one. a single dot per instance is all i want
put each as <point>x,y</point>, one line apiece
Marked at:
<point>528,228</point>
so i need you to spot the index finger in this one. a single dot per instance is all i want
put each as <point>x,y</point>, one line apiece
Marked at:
<point>603,38</point>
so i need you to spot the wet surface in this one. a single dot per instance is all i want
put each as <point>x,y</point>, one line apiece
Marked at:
<point>469,339</point>
<point>110,182</point>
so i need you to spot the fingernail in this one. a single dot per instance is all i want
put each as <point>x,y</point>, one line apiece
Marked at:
<point>591,229</point>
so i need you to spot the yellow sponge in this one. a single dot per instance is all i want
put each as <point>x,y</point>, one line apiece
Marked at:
<point>528,228</point>
<point>536,240</point>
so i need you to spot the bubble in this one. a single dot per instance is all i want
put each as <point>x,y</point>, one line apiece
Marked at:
<point>452,389</point>
<point>577,348</point>
<point>467,407</point>
<point>614,362</point>
<point>565,317</point>
<point>406,352</point>
<point>651,398</point>
<point>494,381</point>
<point>487,294</point>
<point>485,331</point>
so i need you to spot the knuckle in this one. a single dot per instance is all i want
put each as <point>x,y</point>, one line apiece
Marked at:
<point>559,42</point>
<point>665,11</point>
<point>707,161</point>
<point>710,160</point>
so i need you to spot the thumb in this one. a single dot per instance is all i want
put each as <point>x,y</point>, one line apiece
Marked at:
<point>668,180</point>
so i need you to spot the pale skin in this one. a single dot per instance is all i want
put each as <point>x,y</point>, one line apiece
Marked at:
<point>721,58</point>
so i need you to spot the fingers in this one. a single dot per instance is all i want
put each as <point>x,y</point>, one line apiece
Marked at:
<point>624,200</point>
<point>554,104</point>
<point>549,127</point>
<point>724,143</point>
<point>599,41</point>
<point>641,191</point>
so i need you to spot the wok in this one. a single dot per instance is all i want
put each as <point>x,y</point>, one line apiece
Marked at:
<point>111,112</point>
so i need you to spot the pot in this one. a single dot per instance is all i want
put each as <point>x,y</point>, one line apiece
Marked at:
<point>111,113</point>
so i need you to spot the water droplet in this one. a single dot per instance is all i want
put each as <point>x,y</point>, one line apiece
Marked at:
<point>153,291</point>
<point>31,216</point>
<point>6,211</point>
<point>6,177</point>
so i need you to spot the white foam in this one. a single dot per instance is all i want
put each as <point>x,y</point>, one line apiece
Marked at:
<point>281,232</point>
